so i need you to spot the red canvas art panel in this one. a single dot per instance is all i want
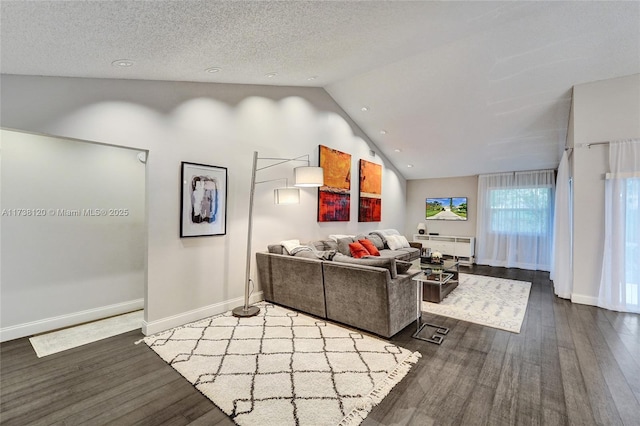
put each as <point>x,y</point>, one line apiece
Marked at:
<point>334,197</point>
<point>370,205</point>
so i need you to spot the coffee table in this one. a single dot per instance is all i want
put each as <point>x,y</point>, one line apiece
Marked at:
<point>438,280</point>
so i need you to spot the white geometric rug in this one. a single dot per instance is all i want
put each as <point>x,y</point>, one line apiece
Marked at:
<point>494,302</point>
<point>282,367</point>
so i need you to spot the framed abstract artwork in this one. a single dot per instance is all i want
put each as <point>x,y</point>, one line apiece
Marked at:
<point>370,205</point>
<point>334,197</point>
<point>203,196</point>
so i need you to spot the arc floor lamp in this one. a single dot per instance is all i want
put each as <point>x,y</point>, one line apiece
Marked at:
<point>304,176</point>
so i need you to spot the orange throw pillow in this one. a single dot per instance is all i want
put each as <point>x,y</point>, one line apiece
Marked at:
<point>357,250</point>
<point>371,248</point>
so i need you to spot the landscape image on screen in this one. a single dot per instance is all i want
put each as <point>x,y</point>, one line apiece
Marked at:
<point>452,208</point>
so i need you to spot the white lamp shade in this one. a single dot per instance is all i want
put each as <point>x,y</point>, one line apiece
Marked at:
<point>421,226</point>
<point>286,196</point>
<point>308,176</point>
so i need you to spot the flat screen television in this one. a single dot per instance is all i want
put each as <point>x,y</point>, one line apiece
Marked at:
<point>451,208</point>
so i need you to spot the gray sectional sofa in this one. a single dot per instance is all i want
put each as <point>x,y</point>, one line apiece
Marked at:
<point>373,294</point>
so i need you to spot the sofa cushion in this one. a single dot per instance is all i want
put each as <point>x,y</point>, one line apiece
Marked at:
<point>318,245</point>
<point>389,254</point>
<point>384,233</point>
<point>371,248</point>
<point>358,250</point>
<point>382,237</point>
<point>380,262</point>
<point>376,240</point>
<point>359,237</point>
<point>275,249</point>
<point>408,254</point>
<point>330,245</point>
<point>403,240</point>
<point>394,242</point>
<point>387,232</point>
<point>343,245</point>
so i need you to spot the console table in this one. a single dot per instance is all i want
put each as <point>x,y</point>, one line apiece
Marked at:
<point>441,331</point>
<point>434,284</point>
<point>461,248</point>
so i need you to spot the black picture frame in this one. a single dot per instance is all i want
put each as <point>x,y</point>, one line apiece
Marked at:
<point>203,200</point>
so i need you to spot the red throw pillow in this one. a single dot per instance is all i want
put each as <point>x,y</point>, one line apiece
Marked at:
<point>357,250</point>
<point>371,248</point>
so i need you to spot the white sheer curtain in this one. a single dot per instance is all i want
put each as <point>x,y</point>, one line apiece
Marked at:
<point>561,261</point>
<point>621,261</point>
<point>515,214</point>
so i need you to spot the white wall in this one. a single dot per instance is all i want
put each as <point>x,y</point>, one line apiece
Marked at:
<point>64,261</point>
<point>419,190</point>
<point>213,124</point>
<point>602,111</point>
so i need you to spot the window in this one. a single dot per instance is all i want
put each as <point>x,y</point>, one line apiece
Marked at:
<point>515,219</point>
<point>524,211</point>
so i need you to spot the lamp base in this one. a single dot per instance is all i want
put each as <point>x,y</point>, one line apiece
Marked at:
<point>241,312</point>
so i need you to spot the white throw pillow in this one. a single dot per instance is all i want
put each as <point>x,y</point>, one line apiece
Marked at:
<point>289,245</point>
<point>403,241</point>
<point>394,242</point>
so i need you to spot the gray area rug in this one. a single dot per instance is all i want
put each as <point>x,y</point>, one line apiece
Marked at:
<point>283,367</point>
<point>494,302</point>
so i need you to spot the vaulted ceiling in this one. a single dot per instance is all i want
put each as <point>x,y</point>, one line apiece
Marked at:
<point>451,88</point>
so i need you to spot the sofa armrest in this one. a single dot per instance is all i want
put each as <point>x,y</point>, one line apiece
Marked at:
<point>291,281</point>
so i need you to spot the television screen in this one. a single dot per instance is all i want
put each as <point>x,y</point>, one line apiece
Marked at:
<point>452,208</point>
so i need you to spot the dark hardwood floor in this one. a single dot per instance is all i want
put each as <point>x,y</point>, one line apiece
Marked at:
<point>571,364</point>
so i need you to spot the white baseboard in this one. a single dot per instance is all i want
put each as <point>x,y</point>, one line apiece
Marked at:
<point>167,323</point>
<point>62,321</point>
<point>584,300</point>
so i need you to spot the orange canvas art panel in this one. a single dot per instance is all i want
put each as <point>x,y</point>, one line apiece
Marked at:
<point>370,205</point>
<point>334,197</point>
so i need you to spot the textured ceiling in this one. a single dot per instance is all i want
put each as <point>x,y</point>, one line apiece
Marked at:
<point>460,88</point>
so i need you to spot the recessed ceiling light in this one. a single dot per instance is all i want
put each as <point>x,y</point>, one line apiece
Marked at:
<point>383,132</point>
<point>313,77</point>
<point>409,165</point>
<point>213,70</point>
<point>271,74</point>
<point>364,109</point>
<point>122,63</point>
<point>397,150</point>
